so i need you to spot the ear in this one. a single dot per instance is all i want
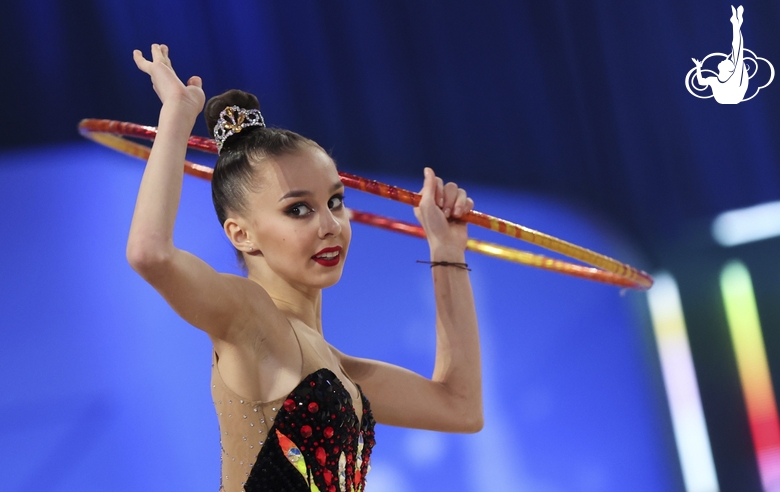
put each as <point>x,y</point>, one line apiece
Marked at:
<point>237,233</point>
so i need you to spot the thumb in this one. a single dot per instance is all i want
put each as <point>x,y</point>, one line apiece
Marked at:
<point>196,81</point>
<point>429,184</point>
<point>142,63</point>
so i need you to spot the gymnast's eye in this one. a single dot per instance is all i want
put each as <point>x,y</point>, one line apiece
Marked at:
<point>338,200</point>
<point>297,210</point>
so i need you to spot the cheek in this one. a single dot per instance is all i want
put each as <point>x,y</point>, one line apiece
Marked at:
<point>346,233</point>
<point>291,238</point>
<point>347,227</point>
<point>277,235</point>
<point>288,240</point>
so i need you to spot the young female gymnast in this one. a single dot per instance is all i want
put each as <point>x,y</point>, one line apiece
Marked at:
<point>293,411</point>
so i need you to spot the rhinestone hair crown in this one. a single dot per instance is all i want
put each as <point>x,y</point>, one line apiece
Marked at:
<point>232,120</point>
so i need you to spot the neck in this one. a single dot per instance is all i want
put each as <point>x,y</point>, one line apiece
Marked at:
<point>303,304</point>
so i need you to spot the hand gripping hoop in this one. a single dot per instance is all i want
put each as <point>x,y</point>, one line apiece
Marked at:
<point>607,270</point>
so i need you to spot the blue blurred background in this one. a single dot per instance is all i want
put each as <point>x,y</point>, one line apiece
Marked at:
<point>570,117</point>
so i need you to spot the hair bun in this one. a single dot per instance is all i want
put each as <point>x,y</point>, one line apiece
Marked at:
<point>233,97</point>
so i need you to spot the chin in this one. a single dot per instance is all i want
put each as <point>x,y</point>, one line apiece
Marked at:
<point>323,280</point>
<point>332,280</point>
<point>330,276</point>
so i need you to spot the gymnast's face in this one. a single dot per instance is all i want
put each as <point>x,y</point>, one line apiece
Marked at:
<point>294,212</point>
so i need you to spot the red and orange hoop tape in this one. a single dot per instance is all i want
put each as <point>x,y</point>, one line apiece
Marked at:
<point>603,268</point>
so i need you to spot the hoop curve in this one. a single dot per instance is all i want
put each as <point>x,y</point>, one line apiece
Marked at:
<point>607,270</point>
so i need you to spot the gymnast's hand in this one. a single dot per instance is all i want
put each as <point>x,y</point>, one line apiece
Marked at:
<point>167,84</point>
<point>438,212</point>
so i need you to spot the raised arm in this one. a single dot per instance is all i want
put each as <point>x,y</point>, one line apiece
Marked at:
<point>451,400</point>
<point>701,80</point>
<point>214,302</point>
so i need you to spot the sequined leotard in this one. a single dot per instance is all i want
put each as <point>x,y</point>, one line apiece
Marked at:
<point>310,440</point>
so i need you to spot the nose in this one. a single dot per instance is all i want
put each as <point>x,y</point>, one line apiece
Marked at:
<point>329,225</point>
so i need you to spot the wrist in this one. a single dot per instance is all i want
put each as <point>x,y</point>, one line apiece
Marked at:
<point>180,109</point>
<point>448,253</point>
<point>177,118</point>
<point>456,264</point>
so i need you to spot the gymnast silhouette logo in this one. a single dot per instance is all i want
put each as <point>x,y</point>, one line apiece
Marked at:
<point>730,84</point>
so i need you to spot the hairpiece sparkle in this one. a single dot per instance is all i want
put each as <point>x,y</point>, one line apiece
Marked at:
<point>232,120</point>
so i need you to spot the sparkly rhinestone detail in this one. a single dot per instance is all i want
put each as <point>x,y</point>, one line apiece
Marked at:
<point>233,120</point>
<point>316,438</point>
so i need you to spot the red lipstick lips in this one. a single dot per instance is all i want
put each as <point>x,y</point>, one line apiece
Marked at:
<point>329,259</point>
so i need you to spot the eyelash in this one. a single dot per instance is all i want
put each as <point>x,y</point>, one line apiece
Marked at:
<point>289,212</point>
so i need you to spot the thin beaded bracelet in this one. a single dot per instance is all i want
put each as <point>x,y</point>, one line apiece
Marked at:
<point>464,266</point>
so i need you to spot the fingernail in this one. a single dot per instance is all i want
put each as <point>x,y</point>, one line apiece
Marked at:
<point>441,201</point>
<point>446,212</point>
<point>457,211</point>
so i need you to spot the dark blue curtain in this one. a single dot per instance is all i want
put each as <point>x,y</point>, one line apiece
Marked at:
<point>580,99</point>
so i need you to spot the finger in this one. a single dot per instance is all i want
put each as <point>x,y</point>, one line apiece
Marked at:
<point>142,63</point>
<point>439,192</point>
<point>196,81</point>
<point>156,53</point>
<point>164,52</point>
<point>450,195</point>
<point>460,203</point>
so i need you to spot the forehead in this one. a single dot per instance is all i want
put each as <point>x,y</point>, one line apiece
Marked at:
<point>310,169</point>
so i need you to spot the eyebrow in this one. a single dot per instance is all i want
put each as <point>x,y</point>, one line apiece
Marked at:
<point>299,193</point>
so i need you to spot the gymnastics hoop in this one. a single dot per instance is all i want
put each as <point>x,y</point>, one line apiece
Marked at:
<point>113,134</point>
